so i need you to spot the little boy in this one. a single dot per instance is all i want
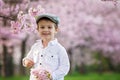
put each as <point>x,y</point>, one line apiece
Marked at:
<point>48,52</point>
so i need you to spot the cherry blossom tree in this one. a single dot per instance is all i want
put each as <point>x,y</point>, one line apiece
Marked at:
<point>8,12</point>
<point>86,23</point>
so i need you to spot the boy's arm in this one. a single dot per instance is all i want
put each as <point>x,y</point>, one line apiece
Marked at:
<point>64,65</point>
<point>28,58</point>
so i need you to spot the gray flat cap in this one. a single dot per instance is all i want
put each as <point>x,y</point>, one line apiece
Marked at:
<point>52,17</point>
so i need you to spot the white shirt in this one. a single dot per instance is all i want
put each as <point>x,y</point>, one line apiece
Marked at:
<point>53,57</point>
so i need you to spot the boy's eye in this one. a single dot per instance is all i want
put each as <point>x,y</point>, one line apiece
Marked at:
<point>42,27</point>
<point>49,27</point>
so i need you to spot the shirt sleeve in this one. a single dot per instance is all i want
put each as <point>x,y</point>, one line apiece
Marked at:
<point>64,65</point>
<point>30,54</point>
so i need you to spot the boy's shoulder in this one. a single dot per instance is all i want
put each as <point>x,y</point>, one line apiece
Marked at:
<point>36,44</point>
<point>59,46</point>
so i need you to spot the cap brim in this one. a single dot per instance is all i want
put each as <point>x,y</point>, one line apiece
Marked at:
<point>53,18</point>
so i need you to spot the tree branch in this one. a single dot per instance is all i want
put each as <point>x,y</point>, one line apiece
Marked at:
<point>6,17</point>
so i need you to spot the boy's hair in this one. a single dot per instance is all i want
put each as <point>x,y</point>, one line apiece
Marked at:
<point>47,19</point>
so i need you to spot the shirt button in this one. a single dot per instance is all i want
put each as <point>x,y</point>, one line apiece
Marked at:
<point>51,56</point>
<point>41,55</point>
<point>40,63</point>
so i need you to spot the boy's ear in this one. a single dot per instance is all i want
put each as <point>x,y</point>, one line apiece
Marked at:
<point>57,29</point>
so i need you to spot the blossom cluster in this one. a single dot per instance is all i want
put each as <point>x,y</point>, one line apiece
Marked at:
<point>41,74</point>
<point>27,22</point>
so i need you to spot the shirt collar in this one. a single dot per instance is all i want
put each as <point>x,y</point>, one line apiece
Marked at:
<point>51,43</point>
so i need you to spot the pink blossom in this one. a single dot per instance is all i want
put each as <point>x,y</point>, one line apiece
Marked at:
<point>41,74</point>
<point>1,4</point>
<point>15,26</point>
<point>36,11</point>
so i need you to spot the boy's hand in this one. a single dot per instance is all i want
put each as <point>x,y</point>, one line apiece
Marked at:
<point>28,63</point>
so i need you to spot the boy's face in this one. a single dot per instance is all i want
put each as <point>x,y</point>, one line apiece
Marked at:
<point>47,29</point>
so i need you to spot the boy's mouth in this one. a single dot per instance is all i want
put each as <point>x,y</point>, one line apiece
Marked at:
<point>46,33</point>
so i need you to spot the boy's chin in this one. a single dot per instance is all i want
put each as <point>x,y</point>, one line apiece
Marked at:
<point>47,38</point>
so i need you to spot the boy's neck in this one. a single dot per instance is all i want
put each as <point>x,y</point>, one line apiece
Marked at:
<point>45,42</point>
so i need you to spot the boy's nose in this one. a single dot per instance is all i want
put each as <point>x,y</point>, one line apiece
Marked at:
<point>46,29</point>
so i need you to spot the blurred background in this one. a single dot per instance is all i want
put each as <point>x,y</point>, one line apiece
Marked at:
<point>89,30</point>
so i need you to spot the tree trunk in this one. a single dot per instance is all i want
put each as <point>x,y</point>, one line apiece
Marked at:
<point>4,61</point>
<point>10,69</point>
<point>100,64</point>
<point>70,58</point>
<point>82,67</point>
<point>23,50</point>
<point>7,63</point>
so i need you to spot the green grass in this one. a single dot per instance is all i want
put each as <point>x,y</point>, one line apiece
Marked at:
<point>94,76</point>
<point>76,76</point>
